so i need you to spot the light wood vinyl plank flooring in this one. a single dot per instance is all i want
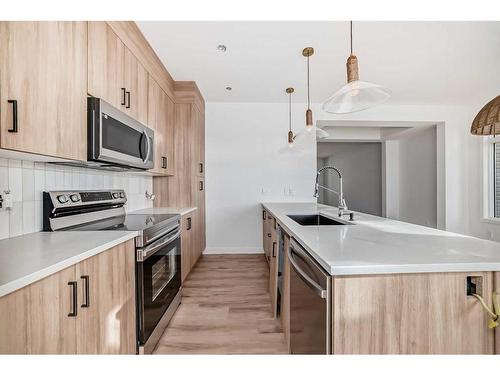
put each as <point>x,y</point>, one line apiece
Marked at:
<point>225,309</point>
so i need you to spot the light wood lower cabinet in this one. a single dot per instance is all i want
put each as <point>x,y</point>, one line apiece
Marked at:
<point>496,287</point>
<point>46,318</point>
<point>273,268</point>
<point>410,314</point>
<point>106,316</point>
<point>285,296</point>
<point>43,88</point>
<point>187,242</point>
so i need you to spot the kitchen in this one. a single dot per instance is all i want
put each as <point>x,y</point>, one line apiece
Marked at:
<point>195,188</point>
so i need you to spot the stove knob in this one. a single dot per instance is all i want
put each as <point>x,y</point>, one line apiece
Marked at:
<point>122,195</point>
<point>74,197</point>
<point>116,195</point>
<point>62,198</point>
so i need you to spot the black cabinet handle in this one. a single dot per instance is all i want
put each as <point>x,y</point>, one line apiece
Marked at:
<point>14,116</point>
<point>274,249</point>
<point>263,215</point>
<point>164,162</point>
<point>124,95</point>
<point>269,235</point>
<point>74,299</point>
<point>128,99</point>
<point>201,167</point>
<point>201,185</point>
<point>85,279</point>
<point>189,223</point>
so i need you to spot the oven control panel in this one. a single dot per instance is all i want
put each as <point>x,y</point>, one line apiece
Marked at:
<point>61,199</point>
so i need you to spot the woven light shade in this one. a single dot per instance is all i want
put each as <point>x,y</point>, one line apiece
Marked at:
<point>487,121</point>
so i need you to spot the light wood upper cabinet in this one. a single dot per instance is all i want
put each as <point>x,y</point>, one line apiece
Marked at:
<point>50,329</point>
<point>114,73</point>
<point>136,84</point>
<point>161,120</point>
<point>43,68</point>
<point>106,317</point>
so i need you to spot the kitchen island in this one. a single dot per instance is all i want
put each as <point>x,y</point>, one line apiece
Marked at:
<point>394,287</point>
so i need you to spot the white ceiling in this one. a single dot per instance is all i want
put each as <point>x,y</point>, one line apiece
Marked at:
<point>422,62</point>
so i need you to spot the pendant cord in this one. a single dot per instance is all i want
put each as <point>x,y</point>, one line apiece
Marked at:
<point>290,111</point>
<point>351,37</point>
<point>308,95</point>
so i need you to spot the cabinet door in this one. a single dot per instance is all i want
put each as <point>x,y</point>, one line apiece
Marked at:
<point>136,84</point>
<point>106,64</point>
<point>43,68</point>
<point>160,119</point>
<point>106,317</point>
<point>285,297</point>
<point>186,245</point>
<point>199,142</point>
<point>50,329</point>
<point>273,268</point>
<point>14,323</point>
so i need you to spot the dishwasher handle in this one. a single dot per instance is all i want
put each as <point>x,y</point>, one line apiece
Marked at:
<point>323,293</point>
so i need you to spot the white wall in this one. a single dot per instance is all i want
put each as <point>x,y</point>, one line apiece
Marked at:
<point>27,181</point>
<point>244,168</point>
<point>417,185</point>
<point>361,166</point>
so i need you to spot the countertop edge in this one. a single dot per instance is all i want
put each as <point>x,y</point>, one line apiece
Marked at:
<point>47,271</point>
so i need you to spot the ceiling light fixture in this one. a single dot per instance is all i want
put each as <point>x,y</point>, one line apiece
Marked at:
<point>317,133</point>
<point>221,48</point>
<point>229,88</point>
<point>356,95</point>
<point>487,121</point>
<point>291,146</point>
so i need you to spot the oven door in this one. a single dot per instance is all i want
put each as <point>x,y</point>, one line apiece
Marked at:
<point>158,281</point>
<point>117,138</point>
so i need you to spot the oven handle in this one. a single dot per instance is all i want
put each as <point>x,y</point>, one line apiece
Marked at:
<point>143,254</point>
<point>310,282</point>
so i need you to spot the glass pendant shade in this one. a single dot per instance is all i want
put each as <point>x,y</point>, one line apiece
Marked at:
<point>311,134</point>
<point>356,96</point>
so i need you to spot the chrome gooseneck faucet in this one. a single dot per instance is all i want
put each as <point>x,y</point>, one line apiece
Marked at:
<point>341,205</point>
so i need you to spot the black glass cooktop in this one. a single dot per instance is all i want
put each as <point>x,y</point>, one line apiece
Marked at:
<point>133,222</point>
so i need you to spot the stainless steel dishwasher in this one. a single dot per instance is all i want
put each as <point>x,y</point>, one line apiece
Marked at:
<point>310,304</point>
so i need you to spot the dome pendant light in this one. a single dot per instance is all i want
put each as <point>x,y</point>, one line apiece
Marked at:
<point>291,146</point>
<point>487,121</point>
<point>316,132</point>
<point>356,95</point>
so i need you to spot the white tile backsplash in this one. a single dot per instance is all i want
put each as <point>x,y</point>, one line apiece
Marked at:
<point>27,181</point>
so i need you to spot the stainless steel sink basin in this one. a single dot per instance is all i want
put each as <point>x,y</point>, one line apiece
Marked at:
<point>315,220</point>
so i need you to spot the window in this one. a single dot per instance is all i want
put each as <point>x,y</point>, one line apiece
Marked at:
<point>491,179</point>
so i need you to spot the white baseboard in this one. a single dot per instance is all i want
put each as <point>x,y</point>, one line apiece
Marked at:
<point>233,250</point>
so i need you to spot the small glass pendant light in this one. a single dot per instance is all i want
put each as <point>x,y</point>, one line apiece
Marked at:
<point>311,130</point>
<point>291,146</point>
<point>356,95</point>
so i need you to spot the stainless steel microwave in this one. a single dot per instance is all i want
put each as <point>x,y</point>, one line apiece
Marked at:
<point>116,140</point>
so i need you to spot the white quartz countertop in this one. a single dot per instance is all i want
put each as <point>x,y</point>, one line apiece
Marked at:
<point>376,245</point>
<point>29,258</point>
<point>165,210</point>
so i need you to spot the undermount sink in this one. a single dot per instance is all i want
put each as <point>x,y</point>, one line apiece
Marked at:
<point>315,220</point>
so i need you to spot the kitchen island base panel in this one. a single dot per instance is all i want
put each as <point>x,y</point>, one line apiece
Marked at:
<point>411,314</point>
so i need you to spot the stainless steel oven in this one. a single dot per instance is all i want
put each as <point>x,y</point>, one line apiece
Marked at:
<point>310,304</point>
<point>158,287</point>
<point>114,138</point>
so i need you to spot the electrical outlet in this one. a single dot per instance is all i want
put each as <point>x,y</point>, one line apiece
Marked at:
<point>474,285</point>
<point>6,199</point>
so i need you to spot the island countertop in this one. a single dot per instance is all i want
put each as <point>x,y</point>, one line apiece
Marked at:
<point>376,245</point>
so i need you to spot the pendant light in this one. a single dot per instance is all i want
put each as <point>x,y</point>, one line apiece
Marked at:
<point>310,128</point>
<point>291,146</point>
<point>487,121</point>
<point>356,95</point>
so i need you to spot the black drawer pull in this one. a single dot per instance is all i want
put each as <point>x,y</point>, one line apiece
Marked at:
<point>201,185</point>
<point>128,99</point>
<point>86,291</point>
<point>14,116</point>
<point>201,167</point>
<point>189,223</point>
<point>263,215</point>
<point>74,298</point>
<point>274,249</point>
<point>124,96</point>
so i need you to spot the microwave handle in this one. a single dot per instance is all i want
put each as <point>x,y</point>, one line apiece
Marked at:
<point>148,142</point>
